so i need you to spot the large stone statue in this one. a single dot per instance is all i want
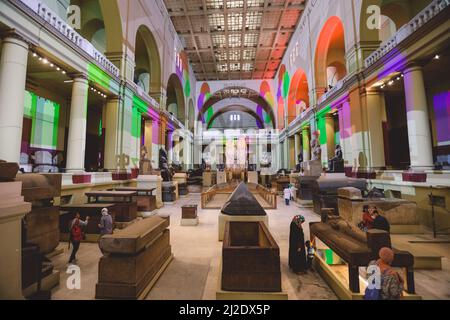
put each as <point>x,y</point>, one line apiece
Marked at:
<point>316,150</point>
<point>145,163</point>
<point>336,164</point>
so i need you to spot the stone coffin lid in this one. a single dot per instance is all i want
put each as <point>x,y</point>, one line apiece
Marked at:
<point>243,203</point>
<point>328,184</point>
<point>350,193</point>
<point>40,186</point>
<point>8,171</point>
<point>134,238</point>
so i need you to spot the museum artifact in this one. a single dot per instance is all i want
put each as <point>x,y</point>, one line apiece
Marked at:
<point>243,203</point>
<point>133,259</point>
<point>325,190</point>
<point>250,258</point>
<point>358,248</point>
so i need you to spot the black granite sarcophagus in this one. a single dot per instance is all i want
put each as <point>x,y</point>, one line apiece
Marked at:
<point>243,203</point>
<point>325,191</point>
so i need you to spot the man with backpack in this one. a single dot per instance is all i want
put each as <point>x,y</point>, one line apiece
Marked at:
<point>76,235</point>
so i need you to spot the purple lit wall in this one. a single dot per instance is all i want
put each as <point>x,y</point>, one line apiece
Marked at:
<point>441,103</point>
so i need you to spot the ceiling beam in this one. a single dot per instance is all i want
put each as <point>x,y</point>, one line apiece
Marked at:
<point>225,33</point>
<point>201,11</point>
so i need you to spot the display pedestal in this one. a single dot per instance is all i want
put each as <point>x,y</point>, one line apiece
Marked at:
<point>147,181</point>
<point>253,177</point>
<point>170,192</point>
<point>221,178</point>
<point>237,295</point>
<point>12,210</point>
<point>207,179</point>
<point>337,278</point>
<point>223,219</point>
<point>181,179</point>
<point>312,168</point>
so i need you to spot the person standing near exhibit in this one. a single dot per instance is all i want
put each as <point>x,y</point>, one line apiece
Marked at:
<point>105,225</point>
<point>297,249</point>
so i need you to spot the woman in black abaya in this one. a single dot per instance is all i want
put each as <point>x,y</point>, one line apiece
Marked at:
<point>297,250</point>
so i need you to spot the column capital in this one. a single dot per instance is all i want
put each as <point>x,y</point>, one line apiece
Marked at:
<point>79,77</point>
<point>114,98</point>
<point>413,66</point>
<point>13,37</point>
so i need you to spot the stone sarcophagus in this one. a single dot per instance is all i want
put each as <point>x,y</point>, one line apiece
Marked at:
<point>304,186</point>
<point>133,259</point>
<point>358,248</point>
<point>181,178</point>
<point>250,258</point>
<point>241,206</point>
<point>401,214</point>
<point>325,190</point>
<point>42,223</point>
<point>169,192</point>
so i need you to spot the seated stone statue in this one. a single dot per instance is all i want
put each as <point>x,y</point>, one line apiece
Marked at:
<point>336,164</point>
<point>164,165</point>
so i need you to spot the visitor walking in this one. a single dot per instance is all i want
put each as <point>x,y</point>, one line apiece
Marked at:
<point>391,283</point>
<point>287,195</point>
<point>76,235</point>
<point>297,249</point>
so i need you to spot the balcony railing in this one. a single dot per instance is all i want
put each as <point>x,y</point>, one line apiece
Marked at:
<point>432,10</point>
<point>52,19</point>
<point>147,97</point>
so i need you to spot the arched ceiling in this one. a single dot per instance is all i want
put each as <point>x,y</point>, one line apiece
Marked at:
<point>230,40</point>
<point>240,93</point>
<point>259,121</point>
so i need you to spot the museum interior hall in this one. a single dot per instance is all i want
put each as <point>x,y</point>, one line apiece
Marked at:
<point>225,150</point>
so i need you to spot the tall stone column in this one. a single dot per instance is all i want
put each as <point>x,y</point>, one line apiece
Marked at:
<point>13,72</point>
<point>306,144</point>
<point>12,210</point>
<point>298,146</point>
<point>112,133</point>
<point>345,130</point>
<point>330,132</point>
<point>76,144</point>
<point>292,156</point>
<point>374,113</point>
<point>148,137</point>
<point>420,147</point>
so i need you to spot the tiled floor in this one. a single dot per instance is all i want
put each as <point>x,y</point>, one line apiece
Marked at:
<point>193,274</point>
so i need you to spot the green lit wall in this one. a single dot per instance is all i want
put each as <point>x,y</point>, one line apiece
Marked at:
<point>44,115</point>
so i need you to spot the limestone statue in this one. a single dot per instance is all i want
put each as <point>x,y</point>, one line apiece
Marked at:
<point>164,166</point>
<point>315,147</point>
<point>145,163</point>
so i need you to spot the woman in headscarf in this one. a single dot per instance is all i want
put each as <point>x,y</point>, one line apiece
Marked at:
<point>392,284</point>
<point>297,250</point>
